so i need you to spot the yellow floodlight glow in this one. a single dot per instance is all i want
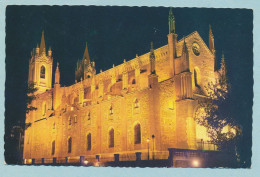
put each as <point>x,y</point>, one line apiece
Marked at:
<point>85,162</point>
<point>195,163</point>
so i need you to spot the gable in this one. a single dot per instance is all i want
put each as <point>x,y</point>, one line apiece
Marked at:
<point>190,39</point>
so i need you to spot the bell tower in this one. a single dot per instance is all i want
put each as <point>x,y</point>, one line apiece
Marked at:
<point>40,67</point>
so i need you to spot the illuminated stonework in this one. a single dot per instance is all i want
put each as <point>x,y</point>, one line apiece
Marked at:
<point>115,111</point>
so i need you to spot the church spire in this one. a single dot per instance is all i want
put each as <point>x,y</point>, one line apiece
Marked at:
<point>152,59</point>
<point>86,55</point>
<point>185,55</point>
<point>211,40</point>
<point>171,22</point>
<point>185,48</point>
<point>42,45</point>
<point>57,74</point>
<point>212,46</point>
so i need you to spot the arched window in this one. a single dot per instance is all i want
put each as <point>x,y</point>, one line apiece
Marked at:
<point>76,100</point>
<point>69,145</point>
<point>136,103</point>
<point>69,120</point>
<point>75,119</point>
<point>43,108</point>
<point>137,130</point>
<point>133,81</point>
<point>111,138</point>
<point>111,110</point>
<point>89,142</point>
<point>89,116</point>
<point>171,104</point>
<point>42,75</point>
<point>196,76</point>
<point>53,148</point>
<point>54,126</point>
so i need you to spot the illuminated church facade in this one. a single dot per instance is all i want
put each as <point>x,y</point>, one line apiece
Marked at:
<point>149,100</point>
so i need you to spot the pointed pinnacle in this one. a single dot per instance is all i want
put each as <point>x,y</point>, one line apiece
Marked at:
<point>210,31</point>
<point>170,12</point>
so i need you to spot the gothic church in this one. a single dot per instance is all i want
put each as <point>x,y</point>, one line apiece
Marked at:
<point>149,100</point>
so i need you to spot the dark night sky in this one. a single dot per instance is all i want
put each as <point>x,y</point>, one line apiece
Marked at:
<point>117,33</point>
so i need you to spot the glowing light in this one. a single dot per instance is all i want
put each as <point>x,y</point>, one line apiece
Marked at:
<point>195,163</point>
<point>148,140</point>
<point>96,164</point>
<point>85,162</point>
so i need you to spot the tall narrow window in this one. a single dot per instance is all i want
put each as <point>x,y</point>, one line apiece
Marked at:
<point>53,148</point>
<point>111,110</point>
<point>75,119</point>
<point>111,138</point>
<point>89,116</point>
<point>136,103</point>
<point>42,75</point>
<point>137,130</point>
<point>69,120</point>
<point>89,142</point>
<point>69,145</point>
<point>195,77</point>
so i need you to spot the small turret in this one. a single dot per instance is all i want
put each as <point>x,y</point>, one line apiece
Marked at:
<point>57,75</point>
<point>171,22</point>
<point>49,52</point>
<point>172,43</point>
<point>152,59</point>
<point>37,50</point>
<point>185,56</point>
<point>212,47</point>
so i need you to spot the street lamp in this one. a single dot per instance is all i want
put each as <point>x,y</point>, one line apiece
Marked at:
<point>148,147</point>
<point>153,145</point>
